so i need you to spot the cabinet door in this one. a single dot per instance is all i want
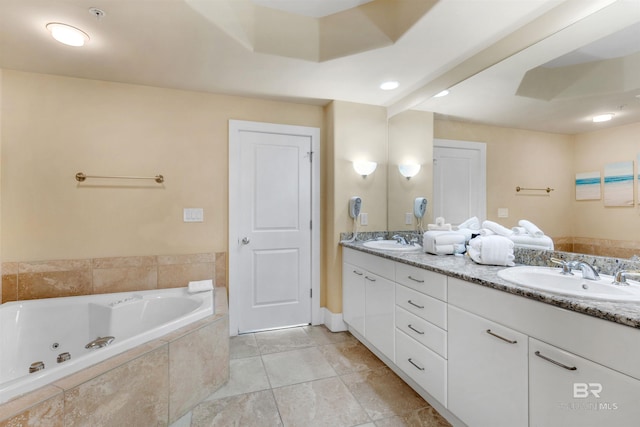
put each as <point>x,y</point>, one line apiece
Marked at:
<point>567,390</point>
<point>379,313</point>
<point>487,372</point>
<point>353,297</point>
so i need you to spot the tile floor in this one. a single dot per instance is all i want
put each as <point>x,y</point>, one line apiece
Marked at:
<point>309,376</point>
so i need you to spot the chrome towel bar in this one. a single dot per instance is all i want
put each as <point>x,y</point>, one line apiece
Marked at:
<point>80,177</point>
<point>548,189</point>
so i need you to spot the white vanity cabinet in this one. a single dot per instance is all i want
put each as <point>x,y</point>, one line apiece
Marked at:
<point>487,371</point>
<point>421,328</point>
<point>568,390</point>
<point>369,298</point>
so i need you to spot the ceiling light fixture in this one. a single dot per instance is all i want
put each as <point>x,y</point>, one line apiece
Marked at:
<point>441,94</point>
<point>390,85</point>
<point>602,118</point>
<point>67,34</point>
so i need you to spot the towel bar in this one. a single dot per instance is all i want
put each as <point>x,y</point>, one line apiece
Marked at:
<point>80,177</point>
<point>548,189</point>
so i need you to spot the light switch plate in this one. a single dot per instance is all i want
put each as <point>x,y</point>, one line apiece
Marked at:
<point>193,215</point>
<point>503,212</point>
<point>364,219</point>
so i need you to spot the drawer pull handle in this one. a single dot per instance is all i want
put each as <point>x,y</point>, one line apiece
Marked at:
<point>416,365</point>
<point>415,330</point>
<point>416,280</point>
<point>415,305</point>
<point>357,272</point>
<point>502,338</point>
<point>369,279</point>
<point>562,365</point>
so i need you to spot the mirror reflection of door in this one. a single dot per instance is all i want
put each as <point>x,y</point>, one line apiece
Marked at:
<point>459,180</point>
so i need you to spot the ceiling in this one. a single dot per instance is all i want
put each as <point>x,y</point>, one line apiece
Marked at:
<point>494,55</point>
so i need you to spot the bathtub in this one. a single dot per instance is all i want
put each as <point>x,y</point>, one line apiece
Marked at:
<point>43,330</point>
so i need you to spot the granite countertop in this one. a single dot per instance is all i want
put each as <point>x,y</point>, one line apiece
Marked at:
<point>462,267</point>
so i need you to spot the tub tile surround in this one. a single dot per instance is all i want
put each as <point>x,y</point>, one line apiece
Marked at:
<point>155,383</point>
<point>61,278</point>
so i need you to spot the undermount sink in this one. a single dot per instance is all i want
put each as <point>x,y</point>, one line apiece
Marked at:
<point>392,245</point>
<point>549,279</point>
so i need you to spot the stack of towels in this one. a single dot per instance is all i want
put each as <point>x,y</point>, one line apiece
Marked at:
<point>491,250</point>
<point>443,242</point>
<point>525,235</point>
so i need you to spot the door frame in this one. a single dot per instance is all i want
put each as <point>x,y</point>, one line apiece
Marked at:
<point>470,145</point>
<point>236,126</point>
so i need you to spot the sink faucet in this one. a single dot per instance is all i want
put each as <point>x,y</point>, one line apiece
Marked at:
<point>398,238</point>
<point>588,271</point>
<point>621,277</point>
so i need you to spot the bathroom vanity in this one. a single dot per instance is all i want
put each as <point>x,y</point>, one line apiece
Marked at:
<point>486,352</point>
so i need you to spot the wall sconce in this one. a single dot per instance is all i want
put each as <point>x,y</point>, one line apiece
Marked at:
<point>364,168</point>
<point>409,170</point>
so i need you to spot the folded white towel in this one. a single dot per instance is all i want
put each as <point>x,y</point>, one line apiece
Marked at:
<point>519,231</point>
<point>491,250</point>
<point>444,250</point>
<point>467,233</point>
<point>435,227</point>
<point>472,223</point>
<point>442,242</point>
<point>200,286</point>
<point>486,232</point>
<point>543,242</point>
<point>531,228</point>
<point>497,228</point>
<point>448,238</point>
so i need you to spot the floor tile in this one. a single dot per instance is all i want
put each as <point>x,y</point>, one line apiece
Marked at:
<point>282,340</point>
<point>383,394</point>
<point>296,366</point>
<point>245,376</point>
<point>350,356</point>
<point>324,402</point>
<point>243,346</point>
<point>247,410</point>
<point>321,335</point>
<point>424,417</point>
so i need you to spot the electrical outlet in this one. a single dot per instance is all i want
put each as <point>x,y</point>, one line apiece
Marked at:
<point>193,215</point>
<point>408,218</point>
<point>503,212</point>
<point>364,218</point>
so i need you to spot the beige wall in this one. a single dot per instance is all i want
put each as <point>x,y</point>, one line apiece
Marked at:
<point>410,141</point>
<point>357,131</point>
<point>526,159</point>
<point>55,126</point>
<point>592,151</point>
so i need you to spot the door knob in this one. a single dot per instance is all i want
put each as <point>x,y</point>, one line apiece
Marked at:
<point>245,241</point>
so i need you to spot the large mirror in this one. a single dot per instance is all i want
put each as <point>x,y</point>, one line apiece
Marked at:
<point>533,110</point>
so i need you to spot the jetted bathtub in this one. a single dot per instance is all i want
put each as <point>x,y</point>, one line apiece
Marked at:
<point>47,330</point>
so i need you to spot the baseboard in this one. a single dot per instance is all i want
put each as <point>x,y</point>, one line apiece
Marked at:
<point>333,321</point>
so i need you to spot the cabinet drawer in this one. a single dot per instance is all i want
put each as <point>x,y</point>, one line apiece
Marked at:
<point>425,281</point>
<point>377,265</point>
<point>424,306</point>
<point>422,331</point>
<point>423,365</point>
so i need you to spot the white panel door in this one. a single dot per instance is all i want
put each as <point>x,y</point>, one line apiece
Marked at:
<point>274,230</point>
<point>459,180</point>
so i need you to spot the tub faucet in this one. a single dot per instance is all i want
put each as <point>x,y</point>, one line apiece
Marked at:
<point>398,238</point>
<point>588,271</point>
<point>100,342</point>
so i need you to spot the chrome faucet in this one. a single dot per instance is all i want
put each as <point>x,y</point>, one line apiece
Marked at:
<point>100,342</point>
<point>621,277</point>
<point>398,238</point>
<point>588,271</point>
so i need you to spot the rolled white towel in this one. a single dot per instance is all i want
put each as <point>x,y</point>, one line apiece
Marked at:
<point>472,223</point>
<point>445,249</point>
<point>486,232</point>
<point>200,286</point>
<point>492,250</point>
<point>528,241</point>
<point>497,228</point>
<point>446,238</point>
<point>436,227</point>
<point>519,231</point>
<point>466,232</point>
<point>531,228</point>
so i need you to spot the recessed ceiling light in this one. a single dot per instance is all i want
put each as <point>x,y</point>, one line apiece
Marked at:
<point>390,85</point>
<point>67,34</point>
<point>602,118</point>
<point>441,94</point>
